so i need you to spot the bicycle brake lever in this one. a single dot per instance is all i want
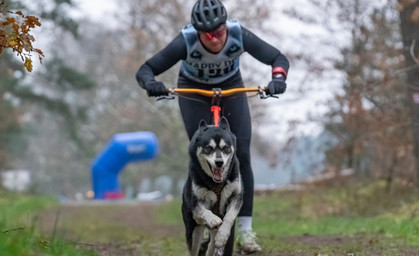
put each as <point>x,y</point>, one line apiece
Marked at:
<point>263,95</point>
<point>165,98</point>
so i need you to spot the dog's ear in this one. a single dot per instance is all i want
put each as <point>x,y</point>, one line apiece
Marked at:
<point>224,124</point>
<point>202,125</point>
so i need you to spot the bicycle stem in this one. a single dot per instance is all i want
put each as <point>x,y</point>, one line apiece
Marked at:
<point>216,114</point>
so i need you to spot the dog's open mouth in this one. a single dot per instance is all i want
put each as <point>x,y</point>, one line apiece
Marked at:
<point>217,174</point>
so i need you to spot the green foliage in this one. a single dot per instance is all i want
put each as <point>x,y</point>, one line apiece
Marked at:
<point>359,209</point>
<point>71,118</point>
<point>316,221</point>
<point>75,78</point>
<point>9,124</point>
<point>15,206</point>
<point>115,226</point>
<point>60,17</point>
<point>364,218</point>
<point>66,77</point>
<point>18,235</point>
<point>170,213</point>
<point>23,242</point>
<point>83,223</point>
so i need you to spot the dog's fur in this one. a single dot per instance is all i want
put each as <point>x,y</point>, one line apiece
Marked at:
<point>213,194</point>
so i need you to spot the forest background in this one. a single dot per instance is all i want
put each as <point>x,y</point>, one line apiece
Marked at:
<point>352,100</point>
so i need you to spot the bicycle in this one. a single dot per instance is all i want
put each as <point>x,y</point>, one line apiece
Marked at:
<point>216,94</point>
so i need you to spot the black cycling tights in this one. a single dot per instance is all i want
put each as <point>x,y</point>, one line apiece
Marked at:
<point>236,110</point>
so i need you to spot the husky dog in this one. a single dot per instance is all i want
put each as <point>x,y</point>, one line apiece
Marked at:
<point>212,195</point>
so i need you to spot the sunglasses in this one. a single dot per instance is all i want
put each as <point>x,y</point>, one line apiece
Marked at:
<point>218,33</point>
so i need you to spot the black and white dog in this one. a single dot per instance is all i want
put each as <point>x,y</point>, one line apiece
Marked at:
<point>212,195</point>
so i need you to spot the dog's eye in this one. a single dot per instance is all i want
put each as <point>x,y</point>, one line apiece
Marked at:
<point>207,150</point>
<point>226,150</point>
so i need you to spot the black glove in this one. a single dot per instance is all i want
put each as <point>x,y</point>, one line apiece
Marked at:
<point>277,85</point>
<point>156,89</point>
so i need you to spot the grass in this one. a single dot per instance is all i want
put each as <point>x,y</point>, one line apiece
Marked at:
<point>120,230</point>
<point>358,219</point>
<point>364,219</point>
<point>272,218</point>
<point>18,235</point>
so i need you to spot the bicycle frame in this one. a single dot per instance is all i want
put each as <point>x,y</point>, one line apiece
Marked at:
<point>216,94</point>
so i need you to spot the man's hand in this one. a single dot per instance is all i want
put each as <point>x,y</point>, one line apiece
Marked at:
<point>277,85</point>
<point>156,89</point>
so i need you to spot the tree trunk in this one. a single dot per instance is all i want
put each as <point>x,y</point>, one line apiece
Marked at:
<point>409,17</point>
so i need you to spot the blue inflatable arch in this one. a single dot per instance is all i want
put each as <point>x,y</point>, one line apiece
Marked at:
<point>122,149</point>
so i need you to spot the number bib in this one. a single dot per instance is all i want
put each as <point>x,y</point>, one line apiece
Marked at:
<point>206,67</point>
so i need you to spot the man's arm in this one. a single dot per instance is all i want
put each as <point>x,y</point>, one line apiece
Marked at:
<point>264,52</point>
<point>162,61</point>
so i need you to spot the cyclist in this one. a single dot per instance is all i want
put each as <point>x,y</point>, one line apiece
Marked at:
<point>209,49</point>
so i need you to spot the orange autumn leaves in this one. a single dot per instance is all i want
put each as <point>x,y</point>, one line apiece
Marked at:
<point>14,34</point>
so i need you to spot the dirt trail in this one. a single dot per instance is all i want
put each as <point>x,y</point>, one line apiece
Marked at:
<point>136,216</point>
<point>103,219</point>
<point>140,217</point>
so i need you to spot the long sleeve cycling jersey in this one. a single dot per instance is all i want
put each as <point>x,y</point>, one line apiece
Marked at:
<point>202,66</point>
<point>200,69</point>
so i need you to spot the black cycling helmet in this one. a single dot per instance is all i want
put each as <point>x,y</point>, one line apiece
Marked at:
<point>207,15</point>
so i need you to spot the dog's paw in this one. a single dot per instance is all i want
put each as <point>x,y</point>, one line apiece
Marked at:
<point>221,238</point>
<point>213,221</point>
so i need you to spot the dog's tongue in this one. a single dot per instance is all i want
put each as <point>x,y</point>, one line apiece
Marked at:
<point>218,174</point>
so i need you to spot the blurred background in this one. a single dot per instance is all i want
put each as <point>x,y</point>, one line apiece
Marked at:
<point>351,106</point>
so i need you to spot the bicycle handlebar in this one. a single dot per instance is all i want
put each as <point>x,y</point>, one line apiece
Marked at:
<point>217,92</point>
